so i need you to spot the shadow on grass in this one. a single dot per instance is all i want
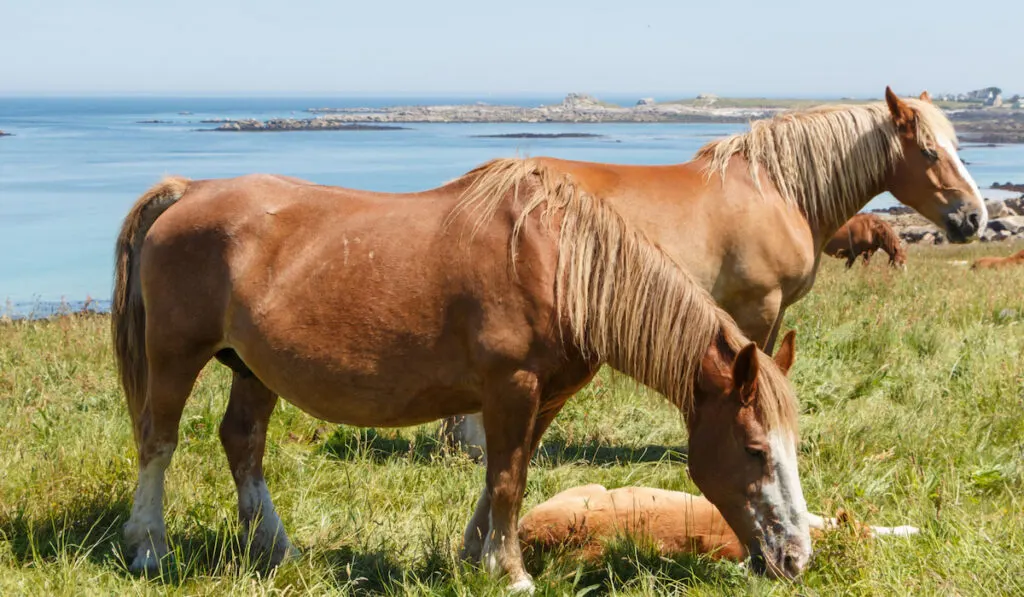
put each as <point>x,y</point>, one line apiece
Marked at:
<point>352,443</point>
<point>625,562</point>
<point>92,530</point>
<point>355,443</point>
<point>375,572</point>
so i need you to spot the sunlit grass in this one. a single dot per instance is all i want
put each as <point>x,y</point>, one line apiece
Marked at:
<point>912,394</point>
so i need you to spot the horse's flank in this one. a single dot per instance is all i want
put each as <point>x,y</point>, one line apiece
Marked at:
<point>607,273</point>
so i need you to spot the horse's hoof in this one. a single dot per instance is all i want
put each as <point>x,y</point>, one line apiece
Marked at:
<point>280,556</point>
<point>146,564</point>
<point>523,586</point>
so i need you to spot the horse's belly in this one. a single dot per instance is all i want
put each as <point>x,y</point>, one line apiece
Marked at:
<point>365,395</point>
<point>363,358</point>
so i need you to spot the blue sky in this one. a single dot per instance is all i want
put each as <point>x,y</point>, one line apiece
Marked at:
<point>662,49</point>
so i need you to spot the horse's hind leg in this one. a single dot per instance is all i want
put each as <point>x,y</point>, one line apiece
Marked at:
<point>169,384</point>
<point>466,433</point>
<point>243,433</point>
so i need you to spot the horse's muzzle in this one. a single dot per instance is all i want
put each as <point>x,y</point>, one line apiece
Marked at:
<point>962,226</point>
<point>784,564</point>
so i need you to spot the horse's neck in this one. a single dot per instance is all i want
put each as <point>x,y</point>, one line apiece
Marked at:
<point>824,227</point>
<point>885,240</point>
<point>826,222</point>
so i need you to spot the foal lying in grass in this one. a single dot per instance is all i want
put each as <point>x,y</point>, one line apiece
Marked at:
<point>586,517</point>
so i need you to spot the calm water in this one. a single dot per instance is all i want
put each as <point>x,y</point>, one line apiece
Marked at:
<point>76,165</point>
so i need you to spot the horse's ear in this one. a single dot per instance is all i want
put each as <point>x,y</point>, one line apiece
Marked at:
<point>926,97</point>
<point>744,373</point>
<point>786,353</point>
<point>902,114</point>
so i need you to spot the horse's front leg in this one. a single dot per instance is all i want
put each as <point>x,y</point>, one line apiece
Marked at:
<point>243,433</point>
<point>509,419</point>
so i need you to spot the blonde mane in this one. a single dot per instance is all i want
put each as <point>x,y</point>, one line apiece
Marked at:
<point>625,301</point>
<point>827,159</point>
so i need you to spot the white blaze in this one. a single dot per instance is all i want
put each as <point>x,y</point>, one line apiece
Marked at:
<point>961,169</point>
<point>785,496</point>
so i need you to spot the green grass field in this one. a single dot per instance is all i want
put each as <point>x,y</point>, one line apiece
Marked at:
<point>912,399</point>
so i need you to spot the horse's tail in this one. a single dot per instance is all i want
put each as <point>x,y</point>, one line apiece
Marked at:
<point>128,321</point>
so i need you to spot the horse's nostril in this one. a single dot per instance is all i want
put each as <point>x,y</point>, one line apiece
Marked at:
<point>974,222</point>
<point>791,565</point>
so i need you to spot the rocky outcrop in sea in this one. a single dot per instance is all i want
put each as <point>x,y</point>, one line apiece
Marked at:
<point>294,124</point>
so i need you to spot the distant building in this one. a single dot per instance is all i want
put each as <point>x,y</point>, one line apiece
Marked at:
<point>986,95</point>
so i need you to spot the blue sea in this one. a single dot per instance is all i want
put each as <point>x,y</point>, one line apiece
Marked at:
<point>75,165</point>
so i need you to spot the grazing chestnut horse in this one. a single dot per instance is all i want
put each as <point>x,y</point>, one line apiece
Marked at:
<point>862,236</point>
<point>997,262</point>
<point>377,309</point>
<point>750,215</point>
<point>676,522</point>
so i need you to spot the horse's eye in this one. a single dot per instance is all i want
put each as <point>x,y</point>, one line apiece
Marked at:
<point>931,154</point>
<point>756,452</point>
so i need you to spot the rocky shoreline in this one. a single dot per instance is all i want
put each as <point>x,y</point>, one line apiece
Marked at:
<point>4,134</point>
<point>989,125</point>
<point>1006,222</point>
<point>575,108</point>
<point>975,125</point>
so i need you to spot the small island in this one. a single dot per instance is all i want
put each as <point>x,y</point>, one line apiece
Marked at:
<point>292,124</point>
<point>1009,186</point>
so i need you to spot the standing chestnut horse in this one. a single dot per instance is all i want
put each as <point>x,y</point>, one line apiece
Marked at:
<point>750,215</point>
<point>373,309</point>
<point>862,236</point>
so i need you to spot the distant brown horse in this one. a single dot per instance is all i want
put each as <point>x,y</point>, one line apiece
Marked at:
<point>861,236</point>
<point>374,309</point>
<point>997,262</point>
<point>589,516</point>
<point>750,215</point>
